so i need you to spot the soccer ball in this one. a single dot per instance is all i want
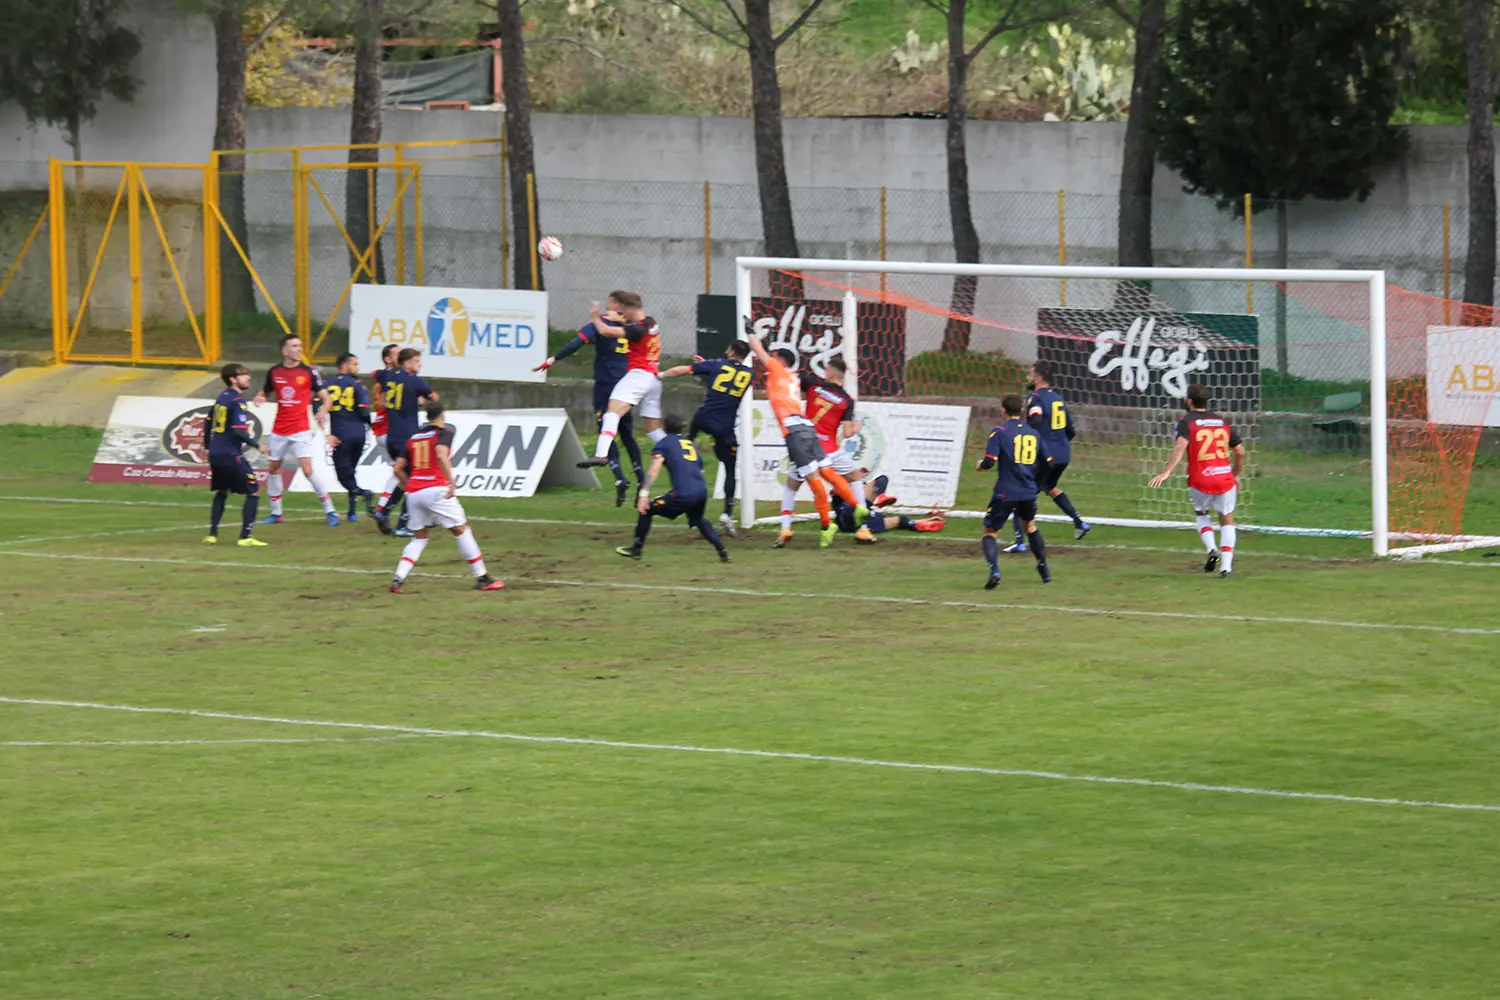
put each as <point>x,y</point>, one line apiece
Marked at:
<point>550,248</point>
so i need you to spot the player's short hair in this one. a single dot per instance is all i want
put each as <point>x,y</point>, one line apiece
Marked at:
<point>288,338</point>
<point>838,364</point>
<point>1199,395</point>
<point>737,349</point>
<point>1043,370</point>
<point>787,357</point>
<point>407,353</point>
<point>346,356</point>
<point>629,300</point>
<point>1012,405</point>
<point>433,410</point>
<point>673,424</point>
<point>231,371</point>
<point>388,350</point>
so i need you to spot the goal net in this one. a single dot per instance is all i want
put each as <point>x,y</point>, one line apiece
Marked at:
<point>1361,405</point>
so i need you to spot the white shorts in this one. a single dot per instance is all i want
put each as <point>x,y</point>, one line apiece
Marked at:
<point>1221,502</point>
<point>432,507</point>
<point>299,445</point>
<point>380,443</point>
<point>642,390</point>
<point>842,462</point>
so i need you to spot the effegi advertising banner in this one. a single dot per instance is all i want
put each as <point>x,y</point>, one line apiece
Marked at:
<point>920,447</point>
<point>1463,366</point>
<point>485,334</point>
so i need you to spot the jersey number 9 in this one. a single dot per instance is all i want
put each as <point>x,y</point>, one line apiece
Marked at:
<point>1025,449</point>
<point>221,418</point>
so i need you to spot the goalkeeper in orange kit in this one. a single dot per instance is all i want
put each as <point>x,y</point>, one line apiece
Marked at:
<point>808,460</point>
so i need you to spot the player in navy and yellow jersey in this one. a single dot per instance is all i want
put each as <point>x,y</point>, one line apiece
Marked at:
<point>640,387</point>
<point>377,391</point>
<point>688,495</point>
<point>227,434</point>
<point>868,531</point>
<point>426,471</point>
<point>405,393</point>
<point>611,362</point>
<point>348,416</point>
<point>725,382</point>
<point>1047,413</point>
<point>1015,450</point>
<point>1215,456</point>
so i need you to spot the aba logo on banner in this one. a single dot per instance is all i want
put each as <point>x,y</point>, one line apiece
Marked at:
<point>486,334</point>
<point>448,328</point>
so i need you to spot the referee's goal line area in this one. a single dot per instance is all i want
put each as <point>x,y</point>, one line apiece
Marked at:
<point>1361,405</point>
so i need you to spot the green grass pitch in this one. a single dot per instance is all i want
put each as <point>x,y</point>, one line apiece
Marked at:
<point>424,853</point>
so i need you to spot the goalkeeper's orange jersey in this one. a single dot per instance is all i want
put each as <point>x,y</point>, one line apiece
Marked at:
<point>784,394</point>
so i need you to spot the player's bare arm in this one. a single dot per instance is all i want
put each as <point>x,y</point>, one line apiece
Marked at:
<point>679,370</point>
<point>643,498</point>
<point>324,402</point>
<point>756,347</point>
<point>1178,450</point>
<point>1239,460</point>
<point>447,467</point>
<point>399,471</point>
<point>605,328</point>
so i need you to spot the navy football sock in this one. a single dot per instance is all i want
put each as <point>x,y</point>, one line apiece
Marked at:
<point>642,529</point>
<point>1038,547</point>
<point>730,460</point>
<point>906,523</point>
<point>217,515</point>
<point>1067,507</point>
<point>247,514</point>
<point>881,482</point>
<point>614,462</point>
<point>706,529</point>
<point>991,546</point>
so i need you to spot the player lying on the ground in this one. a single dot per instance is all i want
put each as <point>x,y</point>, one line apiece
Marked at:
<point>1015,448</point>
<point>1215,457</point>
<point>1048,415</point>
<point>876,524</point>
<point>405,392</point>
<point>426,474</point>
<point>292,385</point>
<point>807,459</point>
<point>227,436</point>
<point>724,381</point>
<point>348,415</point>
<point>688,495</point>
<point>611,361</point>
<point>641,387</point>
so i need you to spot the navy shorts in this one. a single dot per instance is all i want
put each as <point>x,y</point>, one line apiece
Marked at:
<point>1000,510</point>
<point>1051,473</point>
<point>722,433</point>
<point>232,474</point>
<point>395,449</point>
<point>670,506</point>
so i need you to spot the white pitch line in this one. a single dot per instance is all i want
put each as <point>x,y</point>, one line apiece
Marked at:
<point>782,594</point>
<point>167,503</point>
<point>199,743</point>
<point>102,534</point>
<point>1184,786</point>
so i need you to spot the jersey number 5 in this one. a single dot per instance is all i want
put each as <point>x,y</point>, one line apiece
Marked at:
<point>689,451</point>
<point>738,376</point>
<point>1059,415</point>
<point>1213,443</point>
<point>1025,450</point>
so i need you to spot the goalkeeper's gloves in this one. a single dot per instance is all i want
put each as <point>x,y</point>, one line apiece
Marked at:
<point>545,365</point>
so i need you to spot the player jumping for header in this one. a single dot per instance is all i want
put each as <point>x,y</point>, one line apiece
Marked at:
<point>348,415</point>
<point>725,381</point>
<point>1215,457</point>
<point>405,392</point>
<point>228,434</point>
<point>641,386</point>
<point>611,361</point>
<point>688,495</point>
<point>378,422</point>
<point>426,473</point>
<point>831,410</point>
<point>292,385</point>
<point>1047,413</point>
<point>809,462</point>
<point>1015,447</point>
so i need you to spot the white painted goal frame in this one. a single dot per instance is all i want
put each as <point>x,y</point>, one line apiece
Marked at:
<point>1379,533</point>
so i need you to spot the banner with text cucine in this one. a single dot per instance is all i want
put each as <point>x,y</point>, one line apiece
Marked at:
<point>484,334</point>
<point>1120,357</point>
<point>1463,375</point>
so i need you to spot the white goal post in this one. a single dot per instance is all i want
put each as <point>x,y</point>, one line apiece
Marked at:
<point>747,268</point>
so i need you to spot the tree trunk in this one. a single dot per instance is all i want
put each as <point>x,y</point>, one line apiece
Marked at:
<point>236,289</point>
<point>1479,264</point>
<point>770,156</point>
<point>519,149</point>
<point>361,187</point>
<point>965,237</point>
<point>1282,253</point>
<point>80,226</point>
<point>1138,166</point>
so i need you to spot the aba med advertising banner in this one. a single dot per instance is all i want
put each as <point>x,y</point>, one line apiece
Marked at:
<point>920,447</point>
<point>484,334</point>
<point>1463,375</point>
<point>496,453</point>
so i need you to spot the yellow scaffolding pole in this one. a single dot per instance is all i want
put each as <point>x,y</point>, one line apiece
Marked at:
<point>219,217</point>
<point>536,278</point>
<point>417,222</point>
<point>187,304</point>
<point>58,248</point>
<point>88,288</point>
<point>16,264</point>
<point>301,248</point>
<point>213,303</point>
<point>133,231</point>
<point>400,219</point>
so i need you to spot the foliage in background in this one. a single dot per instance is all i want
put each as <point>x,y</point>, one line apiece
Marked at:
<point>283,73</point>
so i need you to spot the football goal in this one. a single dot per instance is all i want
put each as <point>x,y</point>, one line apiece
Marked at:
<point>1361,405</point>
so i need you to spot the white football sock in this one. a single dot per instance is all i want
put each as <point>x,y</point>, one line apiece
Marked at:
<point>273,487</point>
<point>656,435</point>
<point>1206,532</point>
<point>789,502</point>
<point>607,431</point>
<point>858,487</point>
<point>1226,559</point>
<point>469,549</point>
<point>409,557</point>
<point>385,494</point>
<point>320,492</point>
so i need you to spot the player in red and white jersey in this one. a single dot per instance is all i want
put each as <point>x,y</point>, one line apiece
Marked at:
<point>641,387</point>
<point>380,422</point>
<point>831,410</point>
<point>1215,457</point>
<point>293,385</point>
<point>426,473</point>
